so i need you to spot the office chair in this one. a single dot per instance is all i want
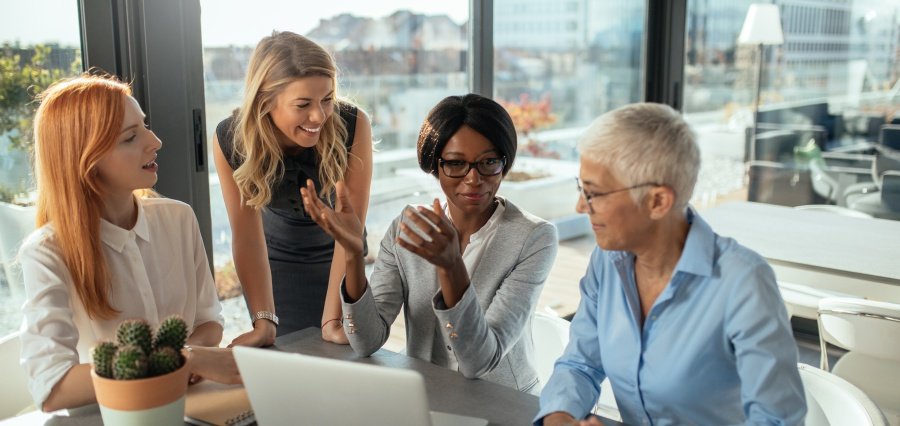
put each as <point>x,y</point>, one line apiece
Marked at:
<point>831,400</point>
<point>550,334</point>
<point>870,331</point>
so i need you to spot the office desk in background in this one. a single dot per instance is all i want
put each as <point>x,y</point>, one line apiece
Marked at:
<point>448,390</point>
<point>820,249</point>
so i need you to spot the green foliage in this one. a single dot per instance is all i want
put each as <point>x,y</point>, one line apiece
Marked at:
<point>20,81</point>
<point>172,333</point>
<point>164,360</point>
<point>135,332</point>
<point>130,363</point>
<point>103,359</point>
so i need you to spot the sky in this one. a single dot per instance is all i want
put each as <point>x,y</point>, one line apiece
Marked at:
<point>223,22</point>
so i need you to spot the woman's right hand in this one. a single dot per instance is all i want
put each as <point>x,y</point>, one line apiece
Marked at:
<point>341,223</point>
<point>216,364</point>
<point>263,334</point>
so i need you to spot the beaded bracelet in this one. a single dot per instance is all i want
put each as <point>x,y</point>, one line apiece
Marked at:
<point>333,319</point>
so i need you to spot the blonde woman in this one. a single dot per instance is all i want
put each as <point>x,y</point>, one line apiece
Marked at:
<point>292,126</point>
<point>102,253</point>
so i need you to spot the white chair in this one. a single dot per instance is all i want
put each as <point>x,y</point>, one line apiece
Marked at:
<point>550,335</point>
<point>803,300</point>
<point>831,400</point>
<point>15,389</point>
<point>870,331</point>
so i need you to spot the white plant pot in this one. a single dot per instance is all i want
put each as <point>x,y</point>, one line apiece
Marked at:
<point>143,402</point>
<point>550,197</point>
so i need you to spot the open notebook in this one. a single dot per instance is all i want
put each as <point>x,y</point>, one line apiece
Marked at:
<point>210,403</point>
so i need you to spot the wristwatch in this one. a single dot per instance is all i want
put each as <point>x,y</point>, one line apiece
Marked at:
<point>264,315</point>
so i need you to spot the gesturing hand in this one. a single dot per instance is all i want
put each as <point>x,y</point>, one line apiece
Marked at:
<point>443,249</point>
<point>341,223</point>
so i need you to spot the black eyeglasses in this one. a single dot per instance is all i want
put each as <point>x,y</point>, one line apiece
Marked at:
<point>460,168</point>
<point>589,197</point>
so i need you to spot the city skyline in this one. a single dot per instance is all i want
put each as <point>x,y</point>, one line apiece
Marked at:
<point>259,18</point>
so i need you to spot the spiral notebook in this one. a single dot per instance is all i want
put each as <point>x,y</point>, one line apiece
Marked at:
<point>209,403</point>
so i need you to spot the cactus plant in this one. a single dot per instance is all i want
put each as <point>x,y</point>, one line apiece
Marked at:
<point>164,360</point>
<point>172,332</point>
<point>129,363</point>
<point>139,353</point>
<point>135,332</point>
<point>103,358</point>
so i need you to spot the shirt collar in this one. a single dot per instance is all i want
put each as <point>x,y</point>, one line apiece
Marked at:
<point>116,237</point>
<point>492,223</point>
<point>697,256</point>
<point>699,251</point>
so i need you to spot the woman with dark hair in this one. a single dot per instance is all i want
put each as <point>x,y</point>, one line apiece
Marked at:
<point>467,272</point>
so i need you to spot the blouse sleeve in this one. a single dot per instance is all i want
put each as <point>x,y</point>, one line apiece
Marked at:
<point>49,335</point>
<point>367,322</point>
<point>481,337</point>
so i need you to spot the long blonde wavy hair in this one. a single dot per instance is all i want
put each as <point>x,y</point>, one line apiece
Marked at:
<point>77,124</point>
<point>277,61</point>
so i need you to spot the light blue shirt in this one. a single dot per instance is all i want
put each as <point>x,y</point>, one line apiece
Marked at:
<point>715,349</point>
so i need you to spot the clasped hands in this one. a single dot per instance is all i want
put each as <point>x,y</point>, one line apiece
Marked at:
<point>438,242</point>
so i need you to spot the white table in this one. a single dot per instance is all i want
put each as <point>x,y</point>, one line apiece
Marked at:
<point>820,249</point>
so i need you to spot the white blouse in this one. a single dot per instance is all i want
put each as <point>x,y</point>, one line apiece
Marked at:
<point>480,239</point>
<point>158,268</point>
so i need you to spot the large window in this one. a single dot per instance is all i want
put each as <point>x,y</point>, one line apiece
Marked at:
<point>825,94</point>
<point>36,48</point>
<point>557,66</point>
<point>396,58</point>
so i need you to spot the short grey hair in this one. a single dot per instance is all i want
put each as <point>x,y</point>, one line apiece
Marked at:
<point>645,143</point>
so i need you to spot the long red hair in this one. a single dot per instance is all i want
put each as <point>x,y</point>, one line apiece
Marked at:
<point>77,123</point>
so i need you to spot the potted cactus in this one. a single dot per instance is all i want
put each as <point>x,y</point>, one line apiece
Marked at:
<point>141,379</point>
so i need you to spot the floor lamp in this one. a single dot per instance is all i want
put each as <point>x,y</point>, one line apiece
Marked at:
<point>762,26</point>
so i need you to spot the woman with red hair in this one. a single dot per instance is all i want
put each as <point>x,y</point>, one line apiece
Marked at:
<point>104,250</point>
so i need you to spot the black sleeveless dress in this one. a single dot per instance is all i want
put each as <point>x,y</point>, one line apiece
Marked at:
<point>299,250</point>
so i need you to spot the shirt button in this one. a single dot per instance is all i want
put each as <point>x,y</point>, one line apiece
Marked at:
<point>448,348</point>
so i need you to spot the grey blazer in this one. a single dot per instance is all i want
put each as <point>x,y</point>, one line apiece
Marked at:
<point>489,330</point>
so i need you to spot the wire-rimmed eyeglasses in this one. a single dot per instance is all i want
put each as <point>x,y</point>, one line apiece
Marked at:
<point>589,197</point>
<point>459,168</point>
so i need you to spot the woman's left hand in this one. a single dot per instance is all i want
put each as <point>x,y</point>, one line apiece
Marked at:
<point>443,249</point>
<point>333,332</point>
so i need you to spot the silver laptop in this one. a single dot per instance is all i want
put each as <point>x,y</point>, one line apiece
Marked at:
<point>294,389</point>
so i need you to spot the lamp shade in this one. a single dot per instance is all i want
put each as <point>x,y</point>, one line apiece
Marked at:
<point>762,25</point>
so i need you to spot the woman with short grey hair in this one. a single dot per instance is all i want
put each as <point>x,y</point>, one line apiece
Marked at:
<point>688,326</point>
<point>646,143</point>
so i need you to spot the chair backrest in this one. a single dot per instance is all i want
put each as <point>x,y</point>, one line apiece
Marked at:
<point>889,136</point>
<point>15,388</point>
<point>550,335</point>
<point>831,400</point>
<point>865,326</point>
<point>890,190</point>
